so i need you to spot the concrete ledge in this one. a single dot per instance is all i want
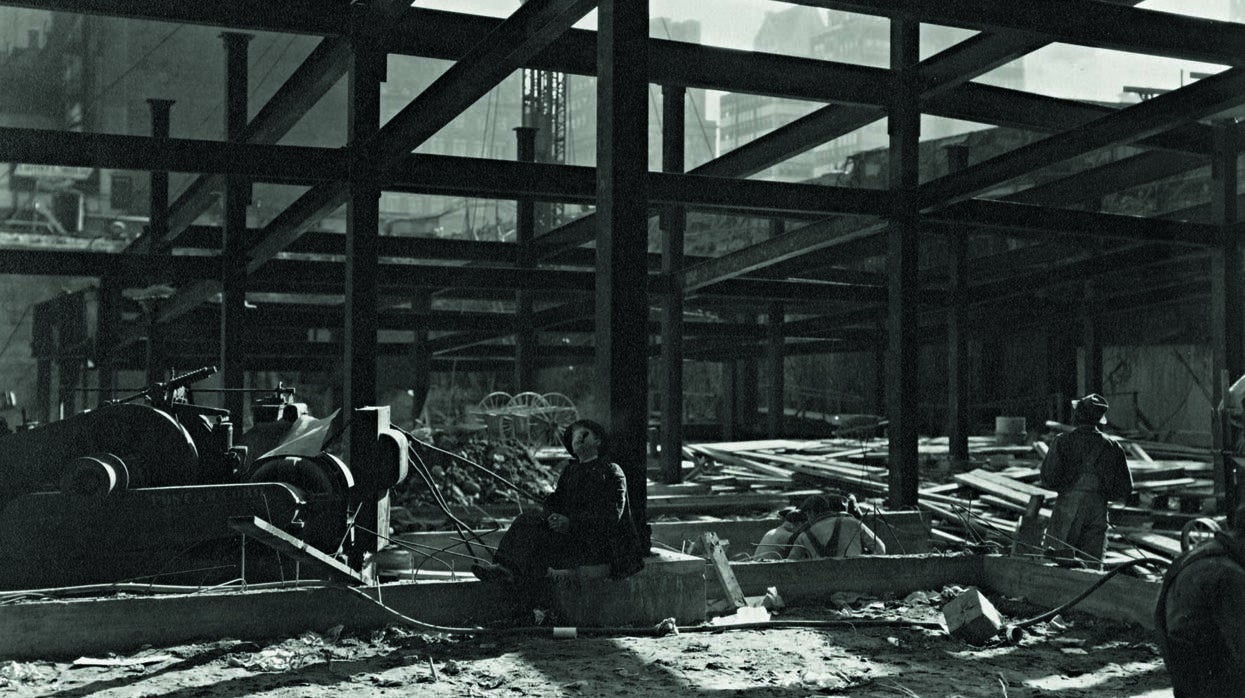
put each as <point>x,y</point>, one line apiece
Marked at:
<point>1124,598</point>
<point>671,585</point>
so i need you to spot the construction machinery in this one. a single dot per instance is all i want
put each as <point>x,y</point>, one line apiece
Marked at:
<point>156,489</point>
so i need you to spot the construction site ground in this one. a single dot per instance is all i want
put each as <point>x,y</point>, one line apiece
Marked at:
<point>1074,655</point>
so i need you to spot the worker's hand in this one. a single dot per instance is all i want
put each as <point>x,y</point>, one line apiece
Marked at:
<point>558,522</point>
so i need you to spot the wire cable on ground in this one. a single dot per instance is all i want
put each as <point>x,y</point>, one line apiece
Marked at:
<point>1014,631</point>
<point>666,627</point>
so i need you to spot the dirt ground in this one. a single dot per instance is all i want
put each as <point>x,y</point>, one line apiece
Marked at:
<point>1074,655</point>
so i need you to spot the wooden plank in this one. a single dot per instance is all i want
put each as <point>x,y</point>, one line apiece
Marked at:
<point>722,569</point>
<point>1167,545</point>
<point>1029,535</point>
<point>282,542</point>
<point>992,483</point>
<point>1163,485</point>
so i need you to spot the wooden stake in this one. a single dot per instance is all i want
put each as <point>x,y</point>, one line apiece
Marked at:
<point>722,569</point>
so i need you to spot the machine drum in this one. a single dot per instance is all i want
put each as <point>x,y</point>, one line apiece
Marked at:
<point>95,476</point>
<point>322,475</point>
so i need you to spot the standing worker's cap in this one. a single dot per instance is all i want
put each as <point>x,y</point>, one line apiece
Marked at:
<point>1089,409</point>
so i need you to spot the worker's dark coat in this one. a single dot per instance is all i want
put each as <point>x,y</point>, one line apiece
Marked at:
<point>593,496</point>
<point>1087,469</point>
<point>1068,465</point>
<point>1198,618</point>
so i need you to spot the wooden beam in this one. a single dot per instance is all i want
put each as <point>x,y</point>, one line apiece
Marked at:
<point>273,537</point>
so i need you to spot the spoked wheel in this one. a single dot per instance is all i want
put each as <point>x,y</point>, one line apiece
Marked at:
<point>495,401</point>
<point>524,409</point>
<point>1196,532</point>
<point>560,414</point>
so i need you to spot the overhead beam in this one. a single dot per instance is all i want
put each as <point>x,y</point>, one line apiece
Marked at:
<point>1003,216</point>
<point>262,162</point>
<point>1082,22</point>
<point>450,35</point>
<point>322,68</point>
<point>1194,101</point>
<point>528,30</point>
<point>296,16</point>
<point>1090,185</point>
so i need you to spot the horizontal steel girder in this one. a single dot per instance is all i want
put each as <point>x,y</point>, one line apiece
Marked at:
<point>1197,100</point>
<point>1084,22</point>
<point>266,163</point>
<point>322,68</point>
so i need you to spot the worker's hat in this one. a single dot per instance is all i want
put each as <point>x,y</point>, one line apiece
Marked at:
<point>1089,409</point>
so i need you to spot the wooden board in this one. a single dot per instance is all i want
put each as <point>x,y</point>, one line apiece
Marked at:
<point>722,569</point>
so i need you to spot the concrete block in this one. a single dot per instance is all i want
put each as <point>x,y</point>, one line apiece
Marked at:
<point>671,585</point>
<point>971,617</point>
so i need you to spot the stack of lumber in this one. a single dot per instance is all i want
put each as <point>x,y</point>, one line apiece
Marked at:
<point>982,505</point>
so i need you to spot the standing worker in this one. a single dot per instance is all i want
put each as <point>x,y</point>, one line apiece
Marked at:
<point>1198,616</point>
<point>1087,470</point>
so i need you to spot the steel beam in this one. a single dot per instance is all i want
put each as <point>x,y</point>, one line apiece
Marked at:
<point>673,227</point>
<point>532,27</point>
<point>903,284</point>
<point>796,243</point>
<point>322,68</point>
<point>233,324</point>
<point>1194,101</point>
<point>323,17</point>
<point>1007,217</point>
<point>267,163</point>
<point>1090,185</point>
<point>621,391</point>
<point>1083,22</point>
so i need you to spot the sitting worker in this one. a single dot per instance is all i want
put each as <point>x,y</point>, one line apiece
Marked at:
<point>776,543</point>
<point>1087,469</point>
<point>833,530</point>
<point>1198,616</point>
<point>586,519</point>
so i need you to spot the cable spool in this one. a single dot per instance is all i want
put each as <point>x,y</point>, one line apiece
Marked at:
<point>95,476</point>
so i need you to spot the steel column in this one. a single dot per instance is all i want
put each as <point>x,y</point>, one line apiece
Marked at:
<point>622,240</point>
<point>903,284</point>
<point>774,361</point>
<point>957,335</point>
<point>158,212</point>
<point>1227,311</point>
<point>233,330</point>
<point>525,235</point>
<point>1091,342</point>
<point>421,356</point>
<point>107,331</point>
<point>673,226</point>
<point>362,291</point>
